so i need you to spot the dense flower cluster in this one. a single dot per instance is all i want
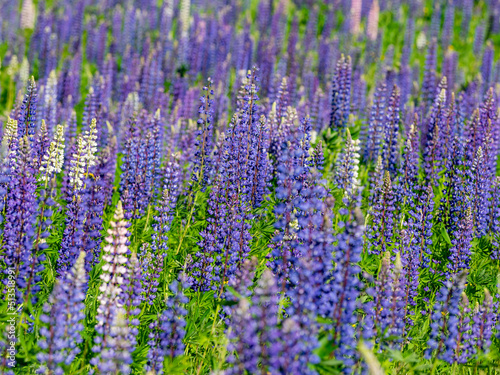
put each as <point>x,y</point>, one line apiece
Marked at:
<point>168,331</point>
<point>63,316</point>
<point>249,187</point>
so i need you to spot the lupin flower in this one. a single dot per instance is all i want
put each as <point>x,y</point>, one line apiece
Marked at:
<point>116,355</point>
<point>480,185</point>
<point>319,158</point>
<point>341,93</point>
<point>90,148</point>
<point>20,218</point>
<point>243,280</point>
<point>473,135</point>
<point>89,109</point>
<point>110,313</point>
<point>9,137</point>
<point>277,131</point>
<point>316,112</point>
<point>310,282</point>
<point>302,157</point>
<point>487,65</point>
<point>381,230</point>
<point>128,183</point>
<point>355,17</point>
<point>389,305</point>
<point>152,265</point>
<point>261,174</point>
<point>44,220</point>
<point>250,135</point>
<point>445,319</point>
<point>420,223</point>
<point>213,238</point>
<point>456,199</point>
<point>49,108</point>
<point>376,180</point>
<point>202,162</point>
<point>450,71</point>
<point>140,168</point>
<point>245,341</point>
<point>150,169</point>
<point>8,150</point>
<point>358,105</point>
<point>70,133</point>
<point>346,171</point>
<point>433,155</point>
<point>225,242</point>
<point>294,356</point>
<point>94,197</point>
<point>483,319</point>
<point>62,320</point>
<point>283,254</point>
<point>463,346</point>
<point>72,242</point>
<point>6,364</point>
<point>372,22</point>
<point>488,114</point>
<point>132,295</point>
<point>373,141</point>
<point>346,286</point>
<point>253,330</point>
<point>408,173</point>
<point>27,20</point>
<point>237,186</point>
<point>168,331</point>
<point>27,115</point>
<point>449,17</point>
<point>41,144</point>
<point>53,160</point>
<point>311,292</point>
<point>78,164</point>
<point>467,6</point>
<point>263,162</point>
<point>391,148</point>
<point>106,169</point>
<point>494,218</point>
<point>152,260</point>
<point>461,245</point>
<point>429,78</point>
<point>409,276</point>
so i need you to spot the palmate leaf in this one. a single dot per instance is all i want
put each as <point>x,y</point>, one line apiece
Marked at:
<point>189,41</point>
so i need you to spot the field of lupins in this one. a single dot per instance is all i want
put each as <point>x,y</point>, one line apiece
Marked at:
<point>250,187</point>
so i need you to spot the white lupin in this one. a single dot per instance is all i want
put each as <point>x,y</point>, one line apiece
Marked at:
<point>77,168</point>
<point>372,23</point>
<point>349,157</point>
<point>90,149</point>
<point>355,18</point>
<point>114,267</point>
<point>85,156</point>
<point>24,71</point>
<point>53,160</point>
<point>9,137</point>
<point>28,15</point>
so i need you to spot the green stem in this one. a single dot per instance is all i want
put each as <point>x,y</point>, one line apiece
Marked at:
<point>147,218</point>
<point>187,224</point>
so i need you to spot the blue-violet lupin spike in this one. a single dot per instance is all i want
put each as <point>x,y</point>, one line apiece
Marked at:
<point>202,162</point>
<point>444,320</point>
<point>62,320</point>
<point>381,230</point>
